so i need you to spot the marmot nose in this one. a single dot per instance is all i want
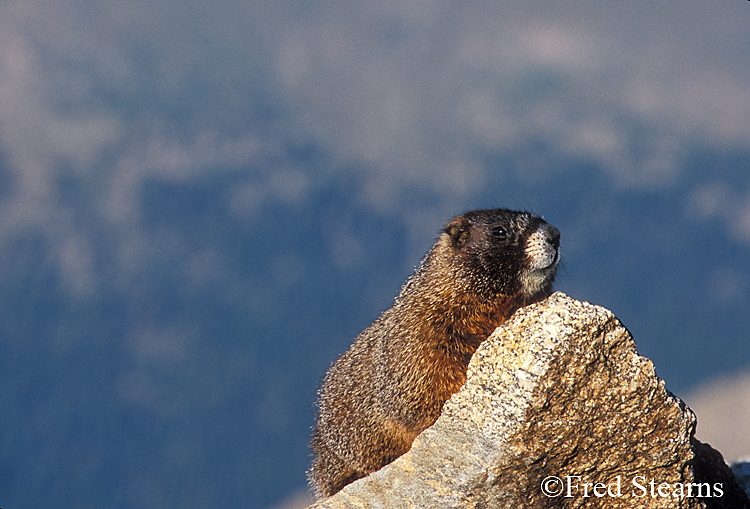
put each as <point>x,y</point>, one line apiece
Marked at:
<point>553,236</point>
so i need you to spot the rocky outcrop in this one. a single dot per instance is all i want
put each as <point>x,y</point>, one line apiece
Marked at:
<point>558,410</point>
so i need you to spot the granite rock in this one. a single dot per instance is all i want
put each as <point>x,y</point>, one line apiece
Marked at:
<point>558,410</point>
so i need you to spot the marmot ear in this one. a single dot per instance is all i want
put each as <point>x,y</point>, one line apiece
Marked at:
<point>458,230</point>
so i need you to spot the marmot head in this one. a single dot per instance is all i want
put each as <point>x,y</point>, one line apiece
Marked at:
<point>503,252</point>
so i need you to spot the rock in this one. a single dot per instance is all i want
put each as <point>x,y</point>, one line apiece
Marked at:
<point>557,399</point>
<point>741,470</point>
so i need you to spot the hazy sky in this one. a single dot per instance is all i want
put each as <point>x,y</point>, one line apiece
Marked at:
<point>402,94</point>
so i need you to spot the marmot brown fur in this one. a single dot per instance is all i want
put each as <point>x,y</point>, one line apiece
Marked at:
<point>393,381</point>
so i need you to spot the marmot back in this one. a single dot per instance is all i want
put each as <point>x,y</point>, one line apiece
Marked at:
<point>393,381</point>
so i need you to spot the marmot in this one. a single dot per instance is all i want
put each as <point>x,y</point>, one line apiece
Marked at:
<point>393,381</point>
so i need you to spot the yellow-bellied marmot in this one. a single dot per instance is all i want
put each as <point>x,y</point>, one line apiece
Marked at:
<point>393,381</point>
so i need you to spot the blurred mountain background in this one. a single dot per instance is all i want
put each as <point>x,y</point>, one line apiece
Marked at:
<point>202,203</point>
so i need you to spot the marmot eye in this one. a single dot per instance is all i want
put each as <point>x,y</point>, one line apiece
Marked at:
<point>499,232</point>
